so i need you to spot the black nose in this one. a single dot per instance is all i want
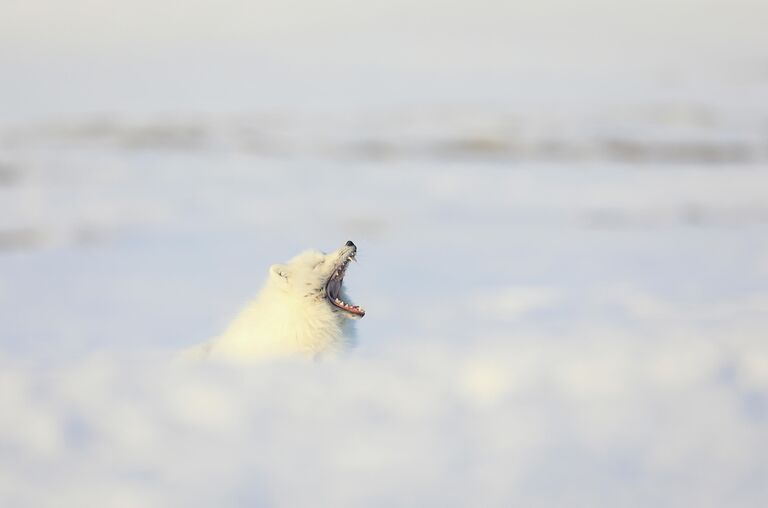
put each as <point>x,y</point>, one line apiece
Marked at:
<point>350,244</point>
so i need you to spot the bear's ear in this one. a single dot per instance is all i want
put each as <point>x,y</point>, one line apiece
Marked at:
<point>279,272</point>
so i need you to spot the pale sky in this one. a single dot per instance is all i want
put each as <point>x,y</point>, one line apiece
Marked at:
<point>88,54</point>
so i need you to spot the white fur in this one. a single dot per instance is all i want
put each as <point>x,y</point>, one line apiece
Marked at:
<point>290,316</point>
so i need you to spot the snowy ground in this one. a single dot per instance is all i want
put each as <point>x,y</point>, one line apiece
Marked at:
<point>562,215</point>
<point>539,333</point>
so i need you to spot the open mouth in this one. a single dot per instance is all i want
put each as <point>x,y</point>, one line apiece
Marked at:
<point>333,286</point>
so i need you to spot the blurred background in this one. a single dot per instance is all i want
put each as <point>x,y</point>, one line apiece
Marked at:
<point>562,215</point>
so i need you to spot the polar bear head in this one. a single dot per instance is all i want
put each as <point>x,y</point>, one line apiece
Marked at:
<point>314,277</point>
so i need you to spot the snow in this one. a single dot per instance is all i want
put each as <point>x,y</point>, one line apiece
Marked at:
<point>562,220</point>
<point>537,333</point>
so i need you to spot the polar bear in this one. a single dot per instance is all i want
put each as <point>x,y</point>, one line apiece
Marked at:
<point>301,310</point>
